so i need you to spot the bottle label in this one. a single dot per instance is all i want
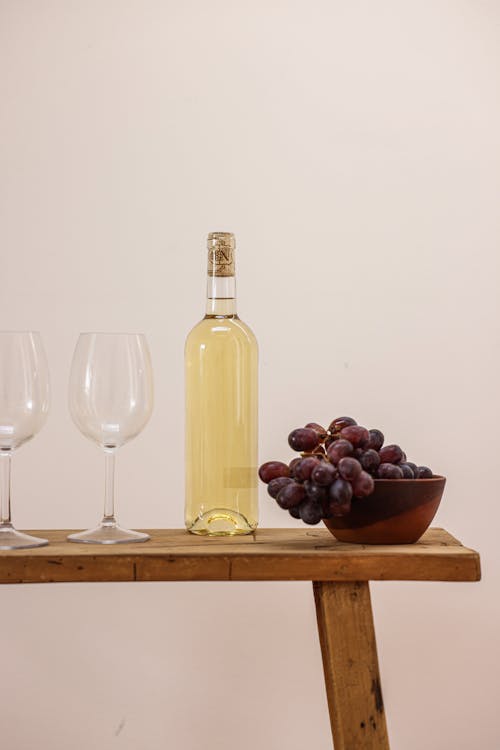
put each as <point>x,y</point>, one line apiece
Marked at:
<point>221,257</point>
<point>240,477</point>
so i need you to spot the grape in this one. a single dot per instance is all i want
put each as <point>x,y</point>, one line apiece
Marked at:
<point>370,460</point>
<point>272,470</point>
<point>363,485</point>
<point>275,485</point>
<point>349,468</point>
<point>339,509</point>
<point>303,439</point>
<point>311,512</point>
<point>358,436</point>
<point>338,450</point>
<point>339,423</point>
<point>407,471</point>
<point>413,467</point>
<point>315,491</point>
<point>324,474</point>
<point>376,440</point>
<point>325,506</point>
<point>389,471</point>
<point>304,467</point>
<point>317,428</point>
<point>391,454</point>
<point>289,495</point>
<point>340,491</point>
<point>336,465</point>
<point>340,497</point>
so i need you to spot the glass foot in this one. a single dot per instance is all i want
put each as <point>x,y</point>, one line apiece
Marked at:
<point>108,534</point>
<point>12,539</point>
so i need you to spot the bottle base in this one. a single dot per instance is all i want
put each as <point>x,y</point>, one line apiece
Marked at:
<point>221,522</point>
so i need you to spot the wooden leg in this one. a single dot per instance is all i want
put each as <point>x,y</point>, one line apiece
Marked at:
<point>350,664</point>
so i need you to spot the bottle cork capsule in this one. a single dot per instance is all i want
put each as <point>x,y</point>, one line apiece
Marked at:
<point>221,247</point>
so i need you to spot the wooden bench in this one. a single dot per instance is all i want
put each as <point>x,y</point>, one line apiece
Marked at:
<point>340,574</point>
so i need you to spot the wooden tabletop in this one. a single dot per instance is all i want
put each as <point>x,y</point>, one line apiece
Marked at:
<point>267,555</point>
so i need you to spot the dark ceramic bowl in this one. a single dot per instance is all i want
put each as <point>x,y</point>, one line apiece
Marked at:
<point>397,512</point>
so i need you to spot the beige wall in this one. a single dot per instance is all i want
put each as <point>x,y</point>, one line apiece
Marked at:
<point>353,147</point>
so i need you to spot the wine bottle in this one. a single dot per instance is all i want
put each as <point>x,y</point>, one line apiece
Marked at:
<point>221,362</point>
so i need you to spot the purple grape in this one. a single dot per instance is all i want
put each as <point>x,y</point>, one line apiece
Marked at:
<point>311,512</point>
<point>331,439</point>
<point>295,512</point>
<point>289,495</point>
<point>391,454</point>
<point>303,439</point>
<point>324,474</point>
<point>389,471</point>
<point>340,497</point>
<point>358,436</point>
<point>272,470</point>
<point>275,485</point>
<point>293,463</point>
<point>339,423</point>
<point>407,471</point>
<point>339,509</point>
<point>315,491</point>
<point>423,472</point>
<point>340,491</point>
<point>363,485</point>
<point>325,506</point>
<point>413,467</point>
<point>304,468</point>
<point>339,449</point>
<point>370,460</point>
<point>349,468</point>
<point>376,440</point>
<point>317,428</point>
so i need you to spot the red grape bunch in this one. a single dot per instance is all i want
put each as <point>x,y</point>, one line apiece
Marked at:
<point>337,467</point>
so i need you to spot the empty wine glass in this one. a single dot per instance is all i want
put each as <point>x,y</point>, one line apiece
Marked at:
<point>110,400</point>
<point>24,405</point>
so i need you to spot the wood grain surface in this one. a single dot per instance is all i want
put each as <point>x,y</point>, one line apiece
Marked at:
<point>267,555</point>
<point>350,664</point>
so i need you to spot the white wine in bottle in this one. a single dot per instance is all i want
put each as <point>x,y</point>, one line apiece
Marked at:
<point>221,361</point>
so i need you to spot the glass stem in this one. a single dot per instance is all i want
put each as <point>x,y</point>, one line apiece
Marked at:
<point>109,491</point>
<point>5,460</point>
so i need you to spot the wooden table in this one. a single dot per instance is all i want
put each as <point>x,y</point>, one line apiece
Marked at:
<point>340,574</point>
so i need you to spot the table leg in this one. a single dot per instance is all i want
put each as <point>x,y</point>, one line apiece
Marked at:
<point>350,664</point>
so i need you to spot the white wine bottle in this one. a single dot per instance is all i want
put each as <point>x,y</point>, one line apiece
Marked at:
<point>221,366</point>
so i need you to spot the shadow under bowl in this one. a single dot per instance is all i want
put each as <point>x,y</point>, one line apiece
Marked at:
<point>397,512</point>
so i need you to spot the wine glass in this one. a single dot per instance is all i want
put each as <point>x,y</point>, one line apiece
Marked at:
<point>24,405</point>
<point>110,400</point>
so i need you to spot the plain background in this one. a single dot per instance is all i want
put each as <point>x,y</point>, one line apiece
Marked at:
<point>353,147</point>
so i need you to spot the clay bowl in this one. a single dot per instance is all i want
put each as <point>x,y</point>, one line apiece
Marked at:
<point>397,512</point>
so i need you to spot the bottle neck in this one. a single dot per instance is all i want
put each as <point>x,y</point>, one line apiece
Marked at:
<point>221,296</point>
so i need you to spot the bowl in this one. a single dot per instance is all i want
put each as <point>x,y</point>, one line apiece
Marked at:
<point>397,512</point>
